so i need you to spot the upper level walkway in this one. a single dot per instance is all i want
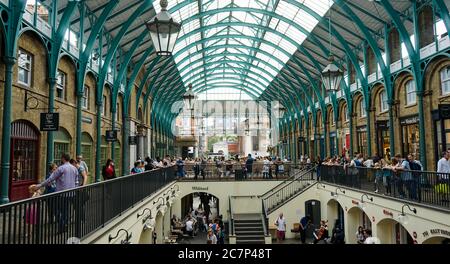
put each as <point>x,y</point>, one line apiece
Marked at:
<point>137,203</point>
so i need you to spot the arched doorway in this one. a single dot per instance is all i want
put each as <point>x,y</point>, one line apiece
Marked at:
<point>312,208</point>
<point>87,153</point>
<point>437,240</point>
<point>390,231</point>
<point>62,144</point>
<point>335,215</point>
<point>158,229</point>
<point>357,217</point>
<point>24,159</point>
<point>206,201</point>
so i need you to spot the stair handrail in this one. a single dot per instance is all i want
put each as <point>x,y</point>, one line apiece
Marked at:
<point>265,219</point>
<point>290,179</point>
<point>263,199</point>
<point>231,218</point>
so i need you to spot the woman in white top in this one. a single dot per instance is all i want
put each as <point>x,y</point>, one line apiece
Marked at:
<point>280,223</point>
<point>211,238</point>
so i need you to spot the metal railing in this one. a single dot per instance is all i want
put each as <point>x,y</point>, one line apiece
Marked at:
<point>53,218</point>
<point>418,186</point>
<point>288,191</point>
<point>239,171</point>
<point>230,217</point>
<point>297,174</point>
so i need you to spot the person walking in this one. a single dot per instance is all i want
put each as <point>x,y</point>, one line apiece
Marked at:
<point>83,164</point>
<point>280,223</point>
<point>65,177</point>
<point>108,171</point>
<point>249,165</point>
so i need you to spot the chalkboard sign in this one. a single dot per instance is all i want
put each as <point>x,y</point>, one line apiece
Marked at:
<point>49,121</point>
<point>111,135</point>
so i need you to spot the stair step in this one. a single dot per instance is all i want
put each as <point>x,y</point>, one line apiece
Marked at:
<point>250,231</point>
<point>247,220</point>
<point>248,227</point>
<point>250,241</point>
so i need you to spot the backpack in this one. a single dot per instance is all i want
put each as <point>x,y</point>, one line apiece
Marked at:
<point>358,163</point>
<point>414,166</point>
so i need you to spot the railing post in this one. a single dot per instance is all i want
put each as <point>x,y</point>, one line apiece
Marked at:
<point>103,204</point>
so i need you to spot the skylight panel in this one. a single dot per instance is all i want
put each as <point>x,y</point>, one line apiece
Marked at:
<point>291,30</point>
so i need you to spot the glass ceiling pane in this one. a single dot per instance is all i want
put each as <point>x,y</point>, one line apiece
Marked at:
<point>254,32</point>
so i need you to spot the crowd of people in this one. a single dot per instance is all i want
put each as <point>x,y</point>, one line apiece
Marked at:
<point>398,174</point>
<point>199,221</point>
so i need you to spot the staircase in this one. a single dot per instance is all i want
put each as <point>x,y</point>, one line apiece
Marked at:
<point>287,190</point>
<point>249,229</point>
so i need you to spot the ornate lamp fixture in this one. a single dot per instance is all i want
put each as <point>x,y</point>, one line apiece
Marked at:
<point>331,75</point>
<point>164,31</point>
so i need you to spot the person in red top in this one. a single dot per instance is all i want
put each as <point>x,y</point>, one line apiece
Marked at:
<point>108,171</point>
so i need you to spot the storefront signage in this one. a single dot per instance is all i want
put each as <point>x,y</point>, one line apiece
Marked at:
<point>86,120</point>
<point>111,135</point>
<point>361,129</point>
<point>382,125</point>
<point>197,188</point>
<point>49,121</point>
<point>386,212</point>
<point>444,111</point>
<point>409,120</point>
<point>435,232</point>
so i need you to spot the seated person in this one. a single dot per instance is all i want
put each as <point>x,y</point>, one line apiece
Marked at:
<point>190,227</point>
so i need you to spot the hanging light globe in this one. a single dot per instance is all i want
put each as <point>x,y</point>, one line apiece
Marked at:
<point>164,31</point>
<point>331,76</point>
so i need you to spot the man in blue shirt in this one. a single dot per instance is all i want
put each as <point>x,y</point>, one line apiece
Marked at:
<point>304,224</point>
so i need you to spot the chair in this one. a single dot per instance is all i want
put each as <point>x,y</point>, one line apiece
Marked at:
<point>296,228</point>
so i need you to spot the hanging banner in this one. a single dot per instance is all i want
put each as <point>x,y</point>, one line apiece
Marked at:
<point>49,121</point>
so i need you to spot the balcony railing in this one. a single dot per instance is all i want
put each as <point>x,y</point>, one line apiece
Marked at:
<point>239,171</point>
<point>423,187</point>
<point>56,217</point>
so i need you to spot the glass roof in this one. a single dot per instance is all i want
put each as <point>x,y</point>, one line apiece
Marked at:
<point>234,45</point>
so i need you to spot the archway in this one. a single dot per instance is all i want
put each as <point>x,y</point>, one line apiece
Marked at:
<point>312,208</point>
<point>146,236</point>
<point>158,229</point>
<point>335,214</point>
<point>201,204</point>
<point>24,159</point>
<point>87,153</point>
<point>437,240</point>
<point>390,231</point>
<point>356,218</point>
<point>62,144</point>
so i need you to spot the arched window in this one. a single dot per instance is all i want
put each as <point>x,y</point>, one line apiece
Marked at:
<point>362,107</point>
<point>103,151</point>
<point>410,93</point>
<point>118,158</point>
<point>140,115</point>
<point>383,101</point>
<point>345,113</point>
<point>86,152</point>
<point>61,143</point>
<point>445,80</point>
<point>332,117</point>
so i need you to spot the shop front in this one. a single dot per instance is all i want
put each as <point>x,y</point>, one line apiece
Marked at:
<point>441,121</point>
<point>361,135</point>
<point>410,135</point>
<point>333,150</point>
<point>383,139</point>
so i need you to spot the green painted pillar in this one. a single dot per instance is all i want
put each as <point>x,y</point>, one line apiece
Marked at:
<point>316,142</point>
<point>391,127</point>
<point>99,106</point>
<point>6,130</point>
<point>422,138</point>
<point>351,130</point>
<point>325,134</point>
<point>125,144</point>
<point>113,127</point>
<point>50,135</point>
<point>78,125</point>
<point>369,130</point>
